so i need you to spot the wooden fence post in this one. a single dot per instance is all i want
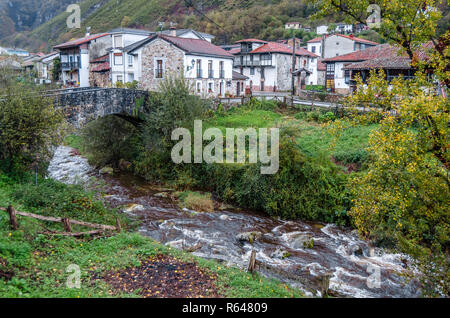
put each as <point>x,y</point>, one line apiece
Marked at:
<point>12,217</point>
<point>252,262</point>
<point>325,284</point>
<point>118,226</point>
<point>67,226</point>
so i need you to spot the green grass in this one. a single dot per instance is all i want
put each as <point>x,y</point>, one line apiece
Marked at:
<point>243,118</point>
<point>74,141</point>
<point>314,139</point>
<point>39,262</point>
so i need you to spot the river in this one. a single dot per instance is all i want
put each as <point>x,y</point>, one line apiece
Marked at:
<point>356,269</point>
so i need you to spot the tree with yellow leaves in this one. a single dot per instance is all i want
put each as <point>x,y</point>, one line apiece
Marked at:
<point>404,196</point>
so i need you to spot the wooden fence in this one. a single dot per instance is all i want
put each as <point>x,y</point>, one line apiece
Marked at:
<point>67,223</point>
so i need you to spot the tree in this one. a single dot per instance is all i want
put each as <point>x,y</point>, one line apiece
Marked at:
<point>29,124</point>
<point>404,195</point>
<point>126,21</point>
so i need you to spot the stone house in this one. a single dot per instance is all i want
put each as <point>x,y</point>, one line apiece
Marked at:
<point>207,67</point>
<point>268,65</point>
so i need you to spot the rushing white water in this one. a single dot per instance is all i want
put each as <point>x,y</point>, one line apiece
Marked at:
<point>356,268</point>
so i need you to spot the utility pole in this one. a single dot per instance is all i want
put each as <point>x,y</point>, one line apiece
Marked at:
<point>293,65</point>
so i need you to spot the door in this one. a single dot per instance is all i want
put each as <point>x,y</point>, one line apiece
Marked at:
<point>238,89</point>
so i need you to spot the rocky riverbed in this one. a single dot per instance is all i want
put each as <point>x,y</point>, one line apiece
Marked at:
<point>298,253</point>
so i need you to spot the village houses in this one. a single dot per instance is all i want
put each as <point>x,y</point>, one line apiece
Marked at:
<point>341,70</point>
<point>268,65</point>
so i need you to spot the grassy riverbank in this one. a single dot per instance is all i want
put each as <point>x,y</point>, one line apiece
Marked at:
<point>35,265</point>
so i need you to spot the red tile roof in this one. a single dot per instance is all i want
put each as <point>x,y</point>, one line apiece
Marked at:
<point>235,51</point>
<point>251,40</point>
<point>381,63</point>
<point>100,59</point>
<point>80,41</point>
<point>195,46</point>
<point>321,66</point>
<point>318,39</point>
<point>100,67</point>
<point>379,51</point>
<point>273,47</point>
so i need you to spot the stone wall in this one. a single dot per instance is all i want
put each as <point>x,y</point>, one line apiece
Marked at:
<point>160,50</point>
<point>320,97</point>
<point>100,79</point>
<point>83,105</point>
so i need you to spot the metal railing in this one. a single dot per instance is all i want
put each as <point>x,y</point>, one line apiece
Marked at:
<point>70,65</point>
<point>221,74</point>
<point>199,73</point>
<point>210,73</point>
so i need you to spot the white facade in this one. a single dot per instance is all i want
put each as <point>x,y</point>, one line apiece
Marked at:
<point>322,29</point>
<point>125,67</point>
<point>293,25</point>
<point>336,45</point>
<point>315,47</point>
<point>218,83</point>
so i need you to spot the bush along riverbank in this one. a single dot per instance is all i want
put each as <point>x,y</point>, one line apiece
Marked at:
<point>36,265</point>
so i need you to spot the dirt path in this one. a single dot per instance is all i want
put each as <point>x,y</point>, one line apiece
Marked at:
<point>163,276</point>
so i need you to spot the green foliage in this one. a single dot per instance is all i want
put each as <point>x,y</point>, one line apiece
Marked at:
<point>174,107</point>
<point>130,85</point>
<point>108,140</point>
<point>315,87</point>
<point>29,124</point>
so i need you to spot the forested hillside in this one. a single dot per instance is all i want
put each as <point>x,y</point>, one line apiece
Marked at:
<point>227,19</point>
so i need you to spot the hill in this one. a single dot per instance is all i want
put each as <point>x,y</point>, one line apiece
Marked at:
<point>227,19</point>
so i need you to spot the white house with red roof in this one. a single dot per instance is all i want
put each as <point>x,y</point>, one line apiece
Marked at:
<point>76,55</point>
<point>269,65</point>
<point>337,44</point>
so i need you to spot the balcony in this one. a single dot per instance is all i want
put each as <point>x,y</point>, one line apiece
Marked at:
<point>199,73</point>
<point>210,74</point>
<point>221,74</point>
<point>250,63</point>
<point>68,66</point>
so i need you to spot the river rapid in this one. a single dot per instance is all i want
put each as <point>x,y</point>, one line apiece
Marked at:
<point>295,252</point>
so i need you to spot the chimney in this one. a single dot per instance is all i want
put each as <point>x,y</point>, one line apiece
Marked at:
<point>88,31</point>
<point>173,31</point>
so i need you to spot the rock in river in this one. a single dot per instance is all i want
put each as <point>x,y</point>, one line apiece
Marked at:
<point>248,236</point>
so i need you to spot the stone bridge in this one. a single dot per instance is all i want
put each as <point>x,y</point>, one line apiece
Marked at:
<point>81,105</point>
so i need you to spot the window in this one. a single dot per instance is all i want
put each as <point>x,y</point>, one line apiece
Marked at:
<point>199,69</point>
<point>130,77</point>
<point>210,69</point>
<point>120,78</point>
<point>347,76</point>
<point>130,60</point>
<point>266,59</point>
<point>118,41</point>
<point>252,71</point>
<point>330,67</point>
<point>159,69</point>
<point>118,59</point>
<point>313,49</point>
<point>210,87</point>
<point>199,87</point>
<point>221,70</point>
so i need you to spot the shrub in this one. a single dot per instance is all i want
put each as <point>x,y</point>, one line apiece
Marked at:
<point>29,124</point>
<point>110,139</point>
